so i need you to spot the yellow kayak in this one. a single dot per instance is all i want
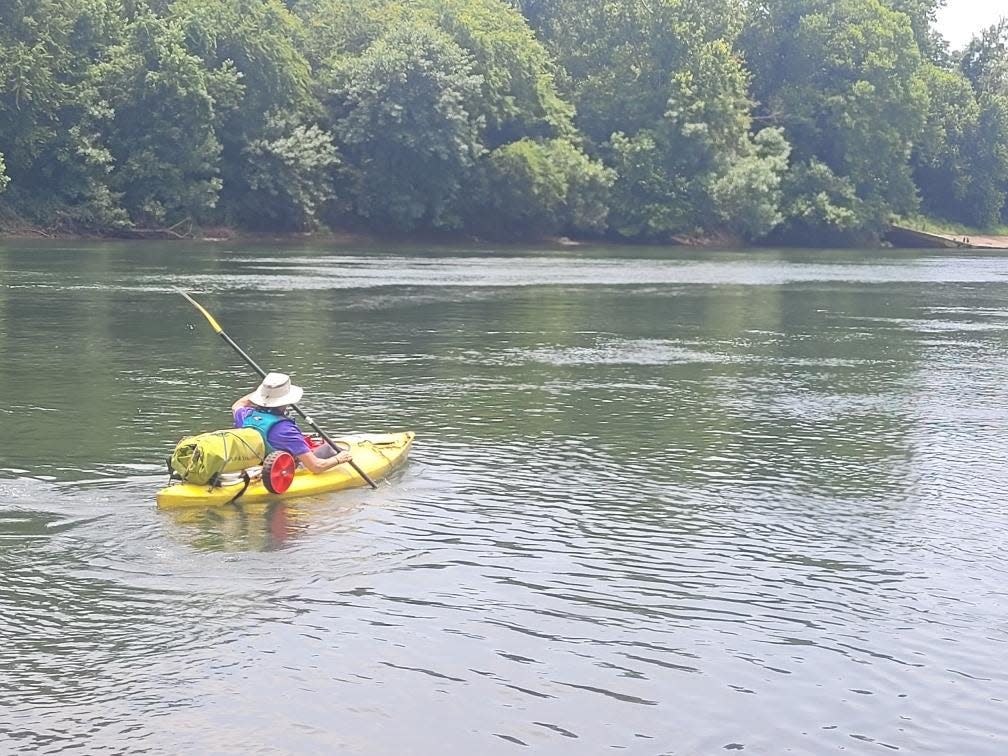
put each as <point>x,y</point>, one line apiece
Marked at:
<point>375,454</point>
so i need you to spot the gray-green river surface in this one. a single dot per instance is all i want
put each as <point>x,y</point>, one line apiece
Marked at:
<point>660,502</point>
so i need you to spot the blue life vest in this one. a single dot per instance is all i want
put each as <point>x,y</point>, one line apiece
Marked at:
<point>262,422</point>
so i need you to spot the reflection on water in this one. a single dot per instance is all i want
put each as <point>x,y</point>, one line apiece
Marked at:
<point>660,502</point>
<point>242,526</point>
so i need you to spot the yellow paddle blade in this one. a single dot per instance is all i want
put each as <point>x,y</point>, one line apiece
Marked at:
<point>210,319</point>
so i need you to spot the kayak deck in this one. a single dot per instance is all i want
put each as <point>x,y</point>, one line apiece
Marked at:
<point>376,454</point>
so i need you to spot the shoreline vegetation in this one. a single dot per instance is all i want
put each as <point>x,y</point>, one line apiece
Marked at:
<point>345,237</point>
<point>920,233</point>
<point>610,121</point>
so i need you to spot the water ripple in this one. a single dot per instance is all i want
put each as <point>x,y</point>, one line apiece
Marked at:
<point>660,501</point>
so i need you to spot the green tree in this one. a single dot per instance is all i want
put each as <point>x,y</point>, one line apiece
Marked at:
<point>747,196</point>
<point>985,60</point>
<point>941,158</point>
<point>535,11</point>
<point>987,152</point>
<point>288,176</point>
<point>663,98</point>
<point>621,57</point>
<point>337,29</point>
<point>50,118</point>
<point>518,92</point>
<point>923,14</point>
<point>961,161</point>
<point>842,77</point>
<point>518,99</point>
<point>264,85</point>
<point>403,115</point>
<point>160,129</point>
<point>515,99</point>
<point>530,189</point>
<point>822,206</point>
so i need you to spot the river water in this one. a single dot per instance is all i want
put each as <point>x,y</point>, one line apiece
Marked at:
<point>661,502</point>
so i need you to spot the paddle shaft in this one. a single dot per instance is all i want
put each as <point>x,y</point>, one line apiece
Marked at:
<point>262,374</point>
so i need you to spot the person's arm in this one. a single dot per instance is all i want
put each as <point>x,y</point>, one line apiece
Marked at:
<point>318,464</point>
<point>245,401</point>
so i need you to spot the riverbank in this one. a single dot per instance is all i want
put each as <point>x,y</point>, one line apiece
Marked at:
<point>912,234</point>
<point>210,234</point>
<point>925,233</point>
<point>902,236</point>
<point>348,238</point>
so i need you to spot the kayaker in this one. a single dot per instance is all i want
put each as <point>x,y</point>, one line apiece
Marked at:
<point>265,409</point>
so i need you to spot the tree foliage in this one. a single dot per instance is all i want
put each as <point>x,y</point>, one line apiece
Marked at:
<point>845,85</point>
<point>533,188</point>
<point>518,97</point>
<point>810,120</point>
<point>944,168</point>
<point>288,175</point>
<point>747,196</point>
<point>51,120</point>
<point>261,84</point>
<point>922,15</point>
<point>623,59</point>
<point>403,110</point>
<point>160,124</point>
<point>985,60</point>
<point>661,93</point>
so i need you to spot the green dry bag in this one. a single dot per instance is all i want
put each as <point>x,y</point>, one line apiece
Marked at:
<point>200,459</point>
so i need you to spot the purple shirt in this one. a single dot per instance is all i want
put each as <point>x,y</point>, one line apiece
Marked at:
<point>285,435</point>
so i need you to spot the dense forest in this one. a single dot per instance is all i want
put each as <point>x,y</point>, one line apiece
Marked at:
<point>783,120</point>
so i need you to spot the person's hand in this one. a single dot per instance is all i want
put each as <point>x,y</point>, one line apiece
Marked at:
<point>342,457</point>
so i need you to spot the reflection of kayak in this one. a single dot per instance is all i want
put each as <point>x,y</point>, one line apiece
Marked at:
<point>252,526</point>
<point>375,454</point>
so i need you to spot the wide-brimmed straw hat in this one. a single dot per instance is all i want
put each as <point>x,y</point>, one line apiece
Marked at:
<point>276,390</point>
